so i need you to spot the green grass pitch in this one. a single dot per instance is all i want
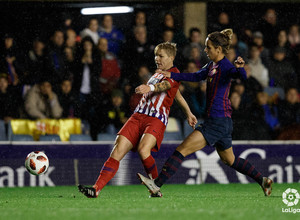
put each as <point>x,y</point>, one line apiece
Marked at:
<point>207,201</point>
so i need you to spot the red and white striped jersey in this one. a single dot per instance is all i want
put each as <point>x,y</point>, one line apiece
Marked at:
<point>158,104</point>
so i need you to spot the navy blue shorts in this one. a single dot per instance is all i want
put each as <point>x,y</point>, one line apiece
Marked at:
<point>217,132</point>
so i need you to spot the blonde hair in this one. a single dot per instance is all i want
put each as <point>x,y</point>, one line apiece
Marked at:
<point>222,39</point>
<point>169,47</point>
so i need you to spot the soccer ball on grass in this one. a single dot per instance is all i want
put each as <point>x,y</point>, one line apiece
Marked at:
<point>36,163</point>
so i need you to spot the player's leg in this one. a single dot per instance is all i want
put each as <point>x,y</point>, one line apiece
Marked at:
<point>127,137</point>
<point>194,142</point>
<point>121,148</point>
<point>245,167</point>
<point>239,164</point>
<point>110,167</point>
<point>147,142</point>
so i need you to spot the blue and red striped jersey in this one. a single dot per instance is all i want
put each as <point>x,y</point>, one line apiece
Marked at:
<point>218,77</point>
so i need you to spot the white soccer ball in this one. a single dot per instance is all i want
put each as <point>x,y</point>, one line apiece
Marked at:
<point>36,163</point>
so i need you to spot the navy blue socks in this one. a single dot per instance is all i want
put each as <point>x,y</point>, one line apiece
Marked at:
<point>170,168</point>
<point>245,167</point>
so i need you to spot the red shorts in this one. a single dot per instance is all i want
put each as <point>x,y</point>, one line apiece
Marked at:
<point>139,124</point>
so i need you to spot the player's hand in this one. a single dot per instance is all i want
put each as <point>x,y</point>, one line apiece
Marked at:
<point>142,89</point>
<point>192,120</point>
<point>165,73</point>
<point>239,62</point>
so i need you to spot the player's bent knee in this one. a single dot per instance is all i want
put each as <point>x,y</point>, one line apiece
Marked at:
<point>121,148</point>
<point>227,162</point>
<point>144,151</point>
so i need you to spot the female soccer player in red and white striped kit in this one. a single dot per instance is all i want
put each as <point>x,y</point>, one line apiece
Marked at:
<point>144,130</point>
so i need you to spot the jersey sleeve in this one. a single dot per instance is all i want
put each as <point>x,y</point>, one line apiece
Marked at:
<point>238,73</point>
<point>191,77</point>
<point>173,82</point>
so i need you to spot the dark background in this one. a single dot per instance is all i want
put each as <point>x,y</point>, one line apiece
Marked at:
<point>27,20</point>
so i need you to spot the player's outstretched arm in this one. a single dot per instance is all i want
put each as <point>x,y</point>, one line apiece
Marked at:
<point>159,87</point>
<point>191,77</point>
<point>192,120</point>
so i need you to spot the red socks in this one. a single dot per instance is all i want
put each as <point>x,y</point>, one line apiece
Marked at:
<point>150,166</point>
<point>107,172</point>
<point>111,167</point>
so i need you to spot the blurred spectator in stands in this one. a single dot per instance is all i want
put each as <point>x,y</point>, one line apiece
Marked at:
<point>111,72</point>
<point>258,69</point>
<point>10,60</point>
<point>10,101</point>
<point>168,35</point>
<point>241,48</point>
<point>194,41</point>
<point>238,118</point>
<point>282,41</point>
<point>169,23</point>
<point>294,35</point>
<point>137,52</point>
<point>239,87</point>
<point>270,110</point>
<point>289,109</point>
<point>231,54</point>
<point>71,47</point>
<point>86,84</point>
<point>281,71</point>
<point>116,114</point>
<point>143,75</point>
<point>297,64</point>
<point>289,115</point>
<point>66,22</point>
<point>223,22</point>
<point>198,58</point>
<point>252,87</point>
<point>258,128</point>
<point>67,99</point>
<point>245,34</point>
<point>114,36</point>
<point>91,31</point>
<point>291,132</point>
<point>35,63</point>
<point>71,39</point>
<point>140,19</point>
<point>258,39</point>
<point>55,59</point>
<point>193,91</point>
<point>269,28</point>
<point>41,102</point>
<point>86,77</point>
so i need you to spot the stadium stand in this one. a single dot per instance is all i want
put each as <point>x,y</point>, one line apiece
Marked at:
<point>80,137</point>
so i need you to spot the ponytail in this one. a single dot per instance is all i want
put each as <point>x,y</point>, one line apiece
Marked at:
<point>222,39</point>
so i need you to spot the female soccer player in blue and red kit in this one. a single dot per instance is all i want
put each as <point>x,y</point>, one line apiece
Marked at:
<point>216,129</point>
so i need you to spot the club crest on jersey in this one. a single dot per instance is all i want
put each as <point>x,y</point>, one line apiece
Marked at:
<point>213,71</point>
<point>155,78</point>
